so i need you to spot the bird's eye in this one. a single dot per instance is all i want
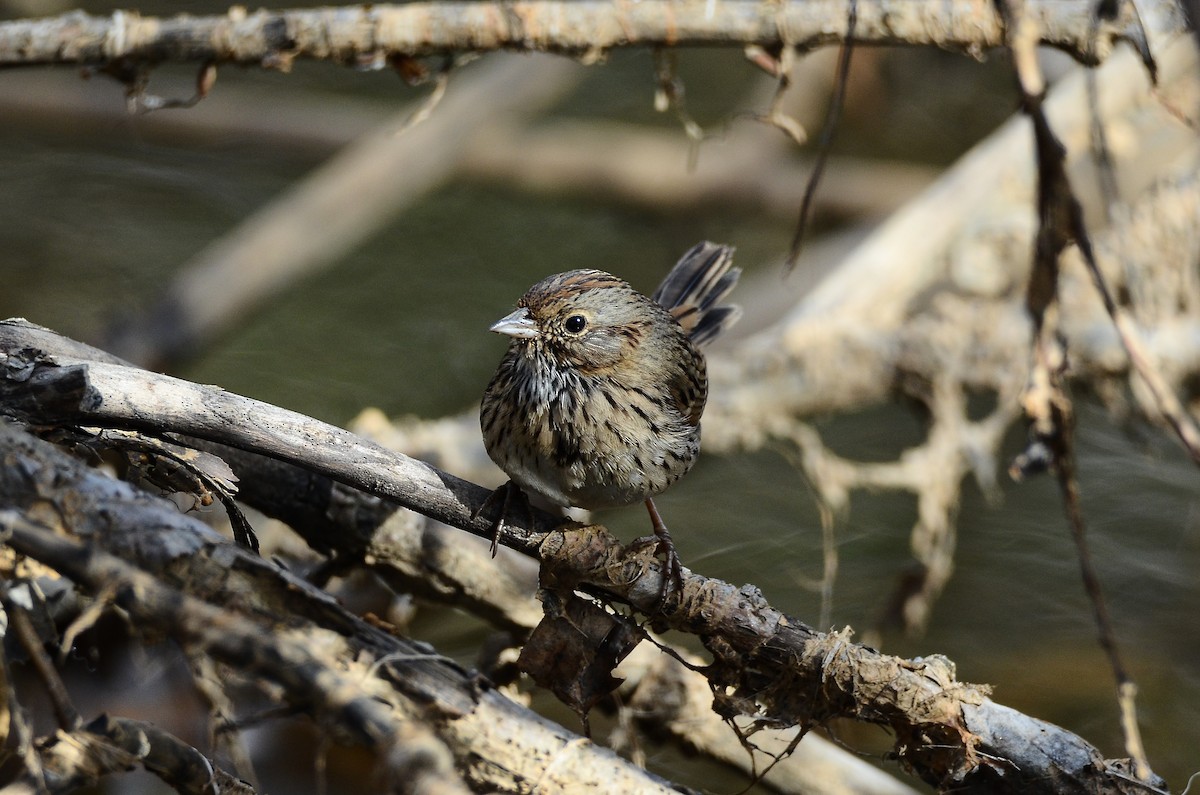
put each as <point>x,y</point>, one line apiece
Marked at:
<point>575,324</point>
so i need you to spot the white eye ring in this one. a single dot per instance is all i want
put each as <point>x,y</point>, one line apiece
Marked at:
<point>575,324</point>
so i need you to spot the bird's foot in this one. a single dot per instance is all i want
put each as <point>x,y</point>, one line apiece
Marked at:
<point>506,494</point>
<point>665,546</point>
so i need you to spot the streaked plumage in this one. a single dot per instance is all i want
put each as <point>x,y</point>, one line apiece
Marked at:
<point>598,399</point>
<point>607,414</point>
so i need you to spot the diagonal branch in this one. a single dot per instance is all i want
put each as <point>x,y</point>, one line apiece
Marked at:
<point>63,390</point>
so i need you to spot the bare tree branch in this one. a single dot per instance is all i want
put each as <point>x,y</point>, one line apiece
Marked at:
<point>665,695</point>
<point>100,393</point>
<point>361,35</point>
<point>423,714</point>
<point>766,664</point>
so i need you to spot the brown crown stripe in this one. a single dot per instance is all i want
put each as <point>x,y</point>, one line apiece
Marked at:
<point>572,281</point>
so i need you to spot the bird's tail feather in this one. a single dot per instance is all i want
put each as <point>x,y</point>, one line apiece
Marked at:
<point>702,277</point>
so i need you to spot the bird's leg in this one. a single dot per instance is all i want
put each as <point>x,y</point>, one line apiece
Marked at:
<point>674,573</point>
<point>498,525</point>
<point>505,494</point>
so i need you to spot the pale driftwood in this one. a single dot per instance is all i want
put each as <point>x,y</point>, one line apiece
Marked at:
<point>763,658</point>
<point>861,308</point>
<point>365,35</point>
<point>641,167</point>
<point>346,199</point>
<point>429,720</point>
<point>968,234</point>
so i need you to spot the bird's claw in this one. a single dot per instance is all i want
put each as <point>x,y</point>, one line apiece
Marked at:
<point>672,577</point>
<point>505,494</point>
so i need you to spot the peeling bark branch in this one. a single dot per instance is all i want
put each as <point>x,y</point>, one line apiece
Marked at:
<point>769,664</point>
<point>665,695</point>
<point>766,664</point>
<point>371,34</point>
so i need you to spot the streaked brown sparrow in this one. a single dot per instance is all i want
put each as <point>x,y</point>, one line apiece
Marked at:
<point>597,401</point>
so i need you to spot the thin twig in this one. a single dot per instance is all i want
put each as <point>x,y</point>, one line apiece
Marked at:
<point>1060,224</point>
<point>670,96</point>
<point>830,563</point>
<point>781,69</point>
<point>1062,444</point>
<point>1068,483</point>
<point>826,141</point>
<point>1101,153</point>
<point>14,725</point>
<point>21,625</point>
<point>426,108</point>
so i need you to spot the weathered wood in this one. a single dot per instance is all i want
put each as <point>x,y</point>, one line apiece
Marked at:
<point>62,390</point>
<point>359,35</point>
<point>766,663</point>
<point>364,683</point>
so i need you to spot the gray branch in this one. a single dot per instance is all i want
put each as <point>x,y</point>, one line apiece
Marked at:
<point>78,391</point>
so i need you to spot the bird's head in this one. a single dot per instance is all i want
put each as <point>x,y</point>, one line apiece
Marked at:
<point>586,319</point>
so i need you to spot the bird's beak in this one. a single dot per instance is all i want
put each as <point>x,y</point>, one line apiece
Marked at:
<point>519,324</point>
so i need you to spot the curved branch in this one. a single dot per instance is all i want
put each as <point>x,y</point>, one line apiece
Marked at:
<point>369,35</point>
